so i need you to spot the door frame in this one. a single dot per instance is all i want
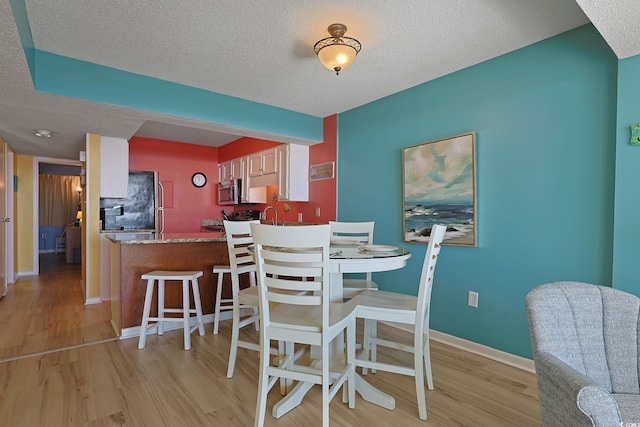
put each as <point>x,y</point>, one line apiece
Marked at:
<point>10,213</point>
<point>36,202</point>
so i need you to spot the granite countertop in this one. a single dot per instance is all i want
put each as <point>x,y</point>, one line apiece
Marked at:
<point>210,222</point>
<point>153,238</point>
<point>140,231</point>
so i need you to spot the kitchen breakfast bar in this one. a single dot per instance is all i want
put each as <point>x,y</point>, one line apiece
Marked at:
<point>134,254</point>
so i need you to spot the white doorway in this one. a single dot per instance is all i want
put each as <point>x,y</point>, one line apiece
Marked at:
<point>36,204</point>
<point>3,219</point>
<point>9,213</point>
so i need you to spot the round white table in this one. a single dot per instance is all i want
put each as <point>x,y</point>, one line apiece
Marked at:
<point>350,259</point>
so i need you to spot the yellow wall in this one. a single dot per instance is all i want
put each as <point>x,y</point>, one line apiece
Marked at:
<point>91,227</point>
<point>24,250</point>
<point>23,215</point>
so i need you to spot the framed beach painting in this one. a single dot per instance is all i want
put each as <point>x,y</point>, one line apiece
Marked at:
<point>439,187</point>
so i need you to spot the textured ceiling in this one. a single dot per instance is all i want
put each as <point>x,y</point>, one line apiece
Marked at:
<point>263,52</point>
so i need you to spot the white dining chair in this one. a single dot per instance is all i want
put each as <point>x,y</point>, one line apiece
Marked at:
<point>373,306</point>
<point>353,233</point>
<point>284,257</point>
<point>241,261</point>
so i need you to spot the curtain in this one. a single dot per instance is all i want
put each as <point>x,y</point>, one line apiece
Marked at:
<point>59,200</point>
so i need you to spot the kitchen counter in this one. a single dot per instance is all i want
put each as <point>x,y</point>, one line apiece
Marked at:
<point>153,238</point>
<point>210,222</point>
<point>126,231</point>
<point>134,254</point>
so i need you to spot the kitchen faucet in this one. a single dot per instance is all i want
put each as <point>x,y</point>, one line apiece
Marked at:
<point>275,213</point>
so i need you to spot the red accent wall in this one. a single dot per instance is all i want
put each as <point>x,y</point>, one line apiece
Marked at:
<point>322,193</point>
<point>242,147</point>
<point>186,205</point>
<point>176,162</point>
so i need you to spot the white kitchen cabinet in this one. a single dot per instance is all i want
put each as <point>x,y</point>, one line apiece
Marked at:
<point>224,171</point>
<point>114,167</point>
<point>293,172</point>
<point>231,169</point>
<point>237,167</point>
<point>263,163</point>
<point>244,191</point>
<point>248,194</point>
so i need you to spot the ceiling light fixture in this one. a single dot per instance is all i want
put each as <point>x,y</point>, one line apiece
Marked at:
<point>337,52</point>
<point>44,133</point>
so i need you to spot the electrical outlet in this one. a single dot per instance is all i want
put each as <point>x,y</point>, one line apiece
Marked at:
<point>44,236</point>
<point>473,299</point>
<point>318,212</point>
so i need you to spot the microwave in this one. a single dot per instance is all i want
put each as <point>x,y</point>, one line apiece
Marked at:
<point>229,192</point>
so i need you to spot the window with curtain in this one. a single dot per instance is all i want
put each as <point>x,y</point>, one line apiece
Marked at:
<point>59,200</point>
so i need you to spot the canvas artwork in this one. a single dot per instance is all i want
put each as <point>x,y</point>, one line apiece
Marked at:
<point>439,188</point>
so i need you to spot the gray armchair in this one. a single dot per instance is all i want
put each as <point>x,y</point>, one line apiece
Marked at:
<point>586,347</point>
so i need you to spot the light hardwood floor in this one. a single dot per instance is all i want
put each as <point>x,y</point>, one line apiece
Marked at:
<point>113,383</point>
<point>46,312</point>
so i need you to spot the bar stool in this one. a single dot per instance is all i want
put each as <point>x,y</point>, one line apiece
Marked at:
<point>186,277</point>
<point>220,270</point>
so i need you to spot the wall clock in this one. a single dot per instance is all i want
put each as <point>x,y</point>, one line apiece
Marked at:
<point>199,179</point>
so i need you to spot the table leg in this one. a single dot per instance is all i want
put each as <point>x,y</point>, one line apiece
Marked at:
<point>366,390</point>
<point>291,400</point>
<point>373,395</point>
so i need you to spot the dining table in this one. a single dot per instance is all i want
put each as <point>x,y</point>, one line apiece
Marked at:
<point>350,258</point>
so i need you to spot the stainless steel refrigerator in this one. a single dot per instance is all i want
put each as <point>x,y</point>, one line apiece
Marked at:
<point>143,209</point>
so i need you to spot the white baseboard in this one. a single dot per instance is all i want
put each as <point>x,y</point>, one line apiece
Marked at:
<point>470,346</point>
<point>90,301</point>
<point>475,348</point>
<point>25,273</point>
<point>134,332</point>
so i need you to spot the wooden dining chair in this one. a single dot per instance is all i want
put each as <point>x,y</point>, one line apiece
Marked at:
<point>373,306</point>
<point>284,257</point>
<point>353,233</point>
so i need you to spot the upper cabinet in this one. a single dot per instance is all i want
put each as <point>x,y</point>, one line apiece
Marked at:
<point>224,171</point>
<point>263,163</point>
<point>293,172</point>
<point>249,194</point>
<point>237,166</point>
<point>231,169</point>
<point>286,166</point>
<point>114,167</point>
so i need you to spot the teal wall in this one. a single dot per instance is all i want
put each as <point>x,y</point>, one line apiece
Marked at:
<point>61,75</point>
<point>65,76</point>
<point>626,272</point>
<point>545,119</point>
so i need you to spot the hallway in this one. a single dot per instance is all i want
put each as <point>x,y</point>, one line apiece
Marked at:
<point>45,313</point>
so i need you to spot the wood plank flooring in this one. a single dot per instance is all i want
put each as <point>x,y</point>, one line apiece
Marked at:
<point>113,383</point>
<point>47,312</point>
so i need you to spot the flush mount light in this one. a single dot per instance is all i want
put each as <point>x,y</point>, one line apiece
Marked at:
<point>337,52</point>
<point>44,133</point>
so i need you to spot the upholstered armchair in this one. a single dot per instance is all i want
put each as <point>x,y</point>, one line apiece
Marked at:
<point>585,341</point>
